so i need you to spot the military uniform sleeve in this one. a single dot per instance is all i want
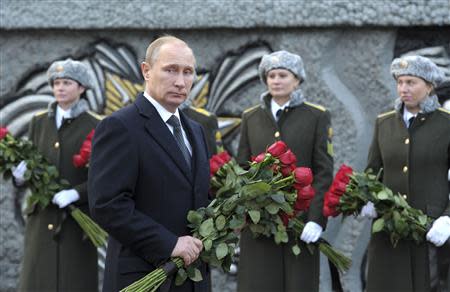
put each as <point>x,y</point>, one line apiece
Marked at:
<point>113,172</point>
<point>244,154</point>
<point>322,167</point>
<point>374,160</point>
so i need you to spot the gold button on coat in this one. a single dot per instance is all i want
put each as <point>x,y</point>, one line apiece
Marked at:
<point>50,227</point>
<point>405,197</point>
<point>405,168</point>
<point>57,145</point>
<point>277,134</point>
<point>407,141</point>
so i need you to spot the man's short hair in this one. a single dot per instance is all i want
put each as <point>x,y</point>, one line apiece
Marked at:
<point>152,52</point>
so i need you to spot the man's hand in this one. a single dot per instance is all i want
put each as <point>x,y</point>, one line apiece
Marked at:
<point>188,248</point>
<point>440,231</point>
<point>311,232</point>
<point>65,197</point>
<point>18,173</point>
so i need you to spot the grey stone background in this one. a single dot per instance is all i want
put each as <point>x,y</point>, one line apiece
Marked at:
<point>347,47</point>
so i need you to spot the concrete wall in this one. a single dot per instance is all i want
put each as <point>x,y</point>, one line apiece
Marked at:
<point>347,47</point>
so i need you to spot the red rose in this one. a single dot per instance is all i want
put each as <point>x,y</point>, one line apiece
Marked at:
<point>338,188</point>
<point>302,205</point>
<point>287,170</point>
<point>332,200</point>
<point>343,174</point>
<point>329,212</point>
<point>285,218</point>
<point>214,166</point>
<point>277,148</point>
<point>224,156</point>
<point>288,158</point>
<point>259,158</point>
<point>303,176</point>
<point>85,150</point>
<point>306,193</point>
<point>3,132</point>
<point>78,161</point>
<point>90,135</point>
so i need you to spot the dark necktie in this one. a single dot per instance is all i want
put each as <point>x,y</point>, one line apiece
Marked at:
<point>177,133</point>
<point>278,114</point>
<point>411,120</point>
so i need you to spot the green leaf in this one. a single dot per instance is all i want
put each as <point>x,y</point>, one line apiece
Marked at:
<point>181,277</point>
<point>197,277</point>
<point>296,250</point>
<point>221,250</point>
<point>237,222</point>
<point>207,244</point>
<point>254,190</point>
<point>423,220</point>
<point>378,225</point>
<point>382,195</point>
<point>254,215</point>
<point>281,236</point>
<point>272,208</point>
<point>220,222</point>
<point>206,228</point>
<point>279,198</point>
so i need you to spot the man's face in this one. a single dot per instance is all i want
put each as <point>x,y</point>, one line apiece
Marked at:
<point>169,80</point>
<point>66,92</point>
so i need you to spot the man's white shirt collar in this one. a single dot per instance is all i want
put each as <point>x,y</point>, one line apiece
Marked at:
<point>165,114</point>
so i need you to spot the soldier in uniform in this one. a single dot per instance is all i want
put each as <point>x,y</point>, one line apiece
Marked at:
<point>285,115</point>
<point>412,146</point>
<point>56,257</point>
<point>209,123</point>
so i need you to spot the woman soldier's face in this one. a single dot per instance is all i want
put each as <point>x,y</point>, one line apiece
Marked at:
<point>67,92</point>
<point>412,90</point>
<point>281,83</point>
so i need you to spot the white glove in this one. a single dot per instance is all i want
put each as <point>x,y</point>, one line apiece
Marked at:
<point>440,231</point>
<point>19,172</point>
<point>311,232</point>
<point>369,211</point>
<point>65,197</point>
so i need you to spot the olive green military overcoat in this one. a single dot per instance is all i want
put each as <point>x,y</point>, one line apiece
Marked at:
<point>60,260</point>
<point>305,128</point>
<point>415,163</point>
<point>209,123</point>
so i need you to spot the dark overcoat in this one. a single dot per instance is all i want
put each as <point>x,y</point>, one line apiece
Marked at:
<point>305,128</point>
<point>141,190</point>
<point>415,163</point>
<point>56,257</point>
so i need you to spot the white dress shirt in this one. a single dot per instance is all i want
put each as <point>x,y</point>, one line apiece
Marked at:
<point>165,115</point>
<point>60,114</point>
<point>275,107</point>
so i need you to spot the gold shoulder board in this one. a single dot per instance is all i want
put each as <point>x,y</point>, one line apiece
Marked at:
<point>444,110</point>
<point>41,113</point>
<point>319,107</point>
<point>201,111</point>
<point>251,108</point>
<point>386,114</point>
<point>95,115</point>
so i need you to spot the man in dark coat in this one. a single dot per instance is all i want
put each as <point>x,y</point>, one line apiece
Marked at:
<point>56,258</point>
<point>147,171</point>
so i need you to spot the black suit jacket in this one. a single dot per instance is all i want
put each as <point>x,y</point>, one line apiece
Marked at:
<point>140,190</point>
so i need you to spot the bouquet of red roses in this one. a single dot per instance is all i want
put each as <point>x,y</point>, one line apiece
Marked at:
<point>43,180</point>
<point>267,199</point>
<point>351,190</point>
